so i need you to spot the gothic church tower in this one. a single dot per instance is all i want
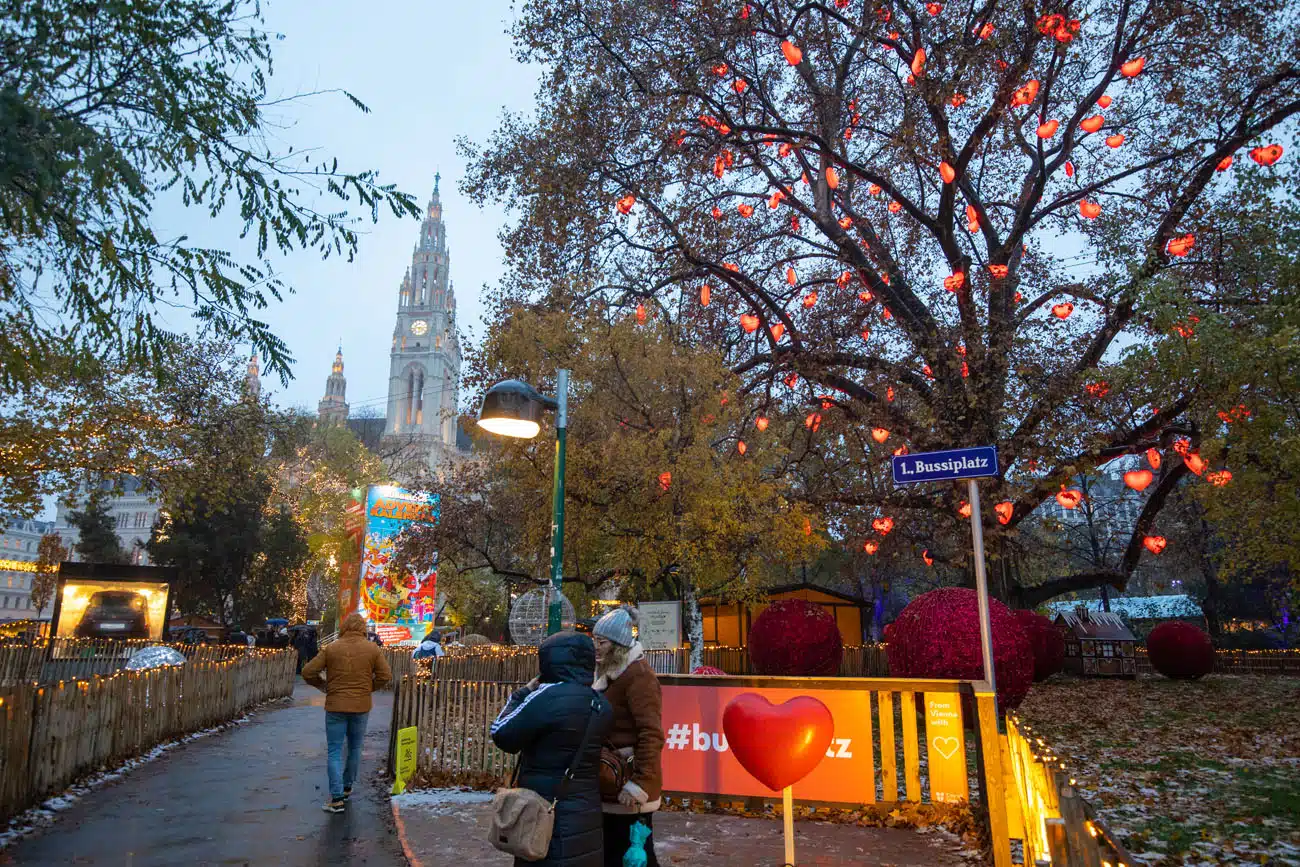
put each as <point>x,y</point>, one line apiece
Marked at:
<point>333,407</point>
<point>424,372</point>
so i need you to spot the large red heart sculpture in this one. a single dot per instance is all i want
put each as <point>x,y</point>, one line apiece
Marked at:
<point>778,744</point>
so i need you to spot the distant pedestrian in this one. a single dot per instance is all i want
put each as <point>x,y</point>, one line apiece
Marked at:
<point>546,722</point>
<point>353,668</point>
<point>631,771</point>
<point>430,647</point>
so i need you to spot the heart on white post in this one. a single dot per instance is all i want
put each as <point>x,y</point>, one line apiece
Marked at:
<point>946,746</point>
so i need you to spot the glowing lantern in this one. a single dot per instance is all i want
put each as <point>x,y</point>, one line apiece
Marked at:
<point>749,322</point>
<point>1069,499</point>
<point>918,62</point>
<point>958,100</point>
<point>889,393</point>
<point>1089,210</point>
<point>1097,389</point>
<point>1219,479</point>
<point>777,331</point>
<point>1224,164</point>
<point>1069,169</point>
<point>895,207</point>
<point>791,379</point>
<point>1153,458</point>
<point>739,85</point>
<point>745,210</point>
<point>775,199</point>
<point>832,178</point>
<point>885,314</point>
<point>807,527</point>
<point>1047,130</point>
<point>640,314</point>
<point>934,8</point>
<point>717,212</point>
<point>1194,462</point>
<point>705,294</point>
<point>964,509</point>
<point>1182,246</point>
<point>1138,479</point>
<point>792,53</point>
<point>1004,511</point>
<point>1062,310</point>
<point>866,334</point>
<point>1182,446</point>
<point>761,423</point>
<point>1092,124</point>
<point>965,370</point>
<point>879,434</point>
<point>972,219</point>
<point>1132,68</point>
<point>625,204</point>
<point>741,447</point>
<point>947,172</point>
<point>784,150</point>
<point>846,222</point>
<point>986,31</point>
<point>925,555</point>
<point>719,69</point>
<point>843,280</point>
<point>813,421</point>
<point>1266,156</point>
<point>998,271</point>
<point>883,525</point>
<point>1104,101</point>
<point>1114,141</point>
<point>665,480</point>
<point>874,189</point>
<point>732,267</point>
<point>1026,94</point>
<point>790,276</point>
<point>1154,544</point>
<point>900,451</point>
<point>810,300</point>
<point>954,282</point>
<point>871,546</point>
<point>925,369</point>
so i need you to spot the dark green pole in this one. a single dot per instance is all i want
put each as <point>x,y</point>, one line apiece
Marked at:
<point>557,503</point>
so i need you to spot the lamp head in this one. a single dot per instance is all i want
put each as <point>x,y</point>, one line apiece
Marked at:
<point>514,409</point>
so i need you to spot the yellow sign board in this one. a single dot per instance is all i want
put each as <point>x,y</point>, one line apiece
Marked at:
<point>945,743</point>
<point>406,757</point>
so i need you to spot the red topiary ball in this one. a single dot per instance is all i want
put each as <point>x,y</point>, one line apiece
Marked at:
<point>1180,650</point>
<point>1046,640</point>
<point>938,635</point>
<point>797,638</point>
<point>708,669</point>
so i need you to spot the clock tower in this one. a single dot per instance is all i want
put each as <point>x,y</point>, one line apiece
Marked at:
<point>424,372</point>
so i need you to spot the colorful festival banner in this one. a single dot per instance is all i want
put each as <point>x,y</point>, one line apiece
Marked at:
<point>400,606</point>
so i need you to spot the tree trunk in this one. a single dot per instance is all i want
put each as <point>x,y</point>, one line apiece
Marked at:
<point>694,623</point>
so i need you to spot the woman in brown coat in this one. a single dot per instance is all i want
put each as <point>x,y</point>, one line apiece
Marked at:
<point>631,770</point>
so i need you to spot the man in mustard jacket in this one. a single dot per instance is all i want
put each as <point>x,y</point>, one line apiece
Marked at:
<point>353,668</point>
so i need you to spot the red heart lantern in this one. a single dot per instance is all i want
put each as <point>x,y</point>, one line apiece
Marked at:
<point>925,555</point>
<point>871,546</point>
<point>1089,210</point>
<point>1069,499</point>
<point>1195,463</point>
<point>1005,511</point>
<point>778,744</point>
<point>1138,479</point>
<point>749,322</point>
<point>1062,310</point>
<point>883,525</point>
<point>761,422</point>
<point>879,434</point>
<point>1153,458</point>
<point>1092,124</point>
<point>1266,156</point>
<point>1155,544</point>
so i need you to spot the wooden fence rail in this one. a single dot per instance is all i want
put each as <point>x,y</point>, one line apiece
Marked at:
<point>53,734</point>
<point>46,661</point>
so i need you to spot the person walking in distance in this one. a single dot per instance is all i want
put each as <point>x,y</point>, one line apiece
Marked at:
<point>631,771</point>
<point>547,722</point>
<point>353,668</point>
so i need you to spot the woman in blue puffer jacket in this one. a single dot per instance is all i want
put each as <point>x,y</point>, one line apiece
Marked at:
<point>544,722</point>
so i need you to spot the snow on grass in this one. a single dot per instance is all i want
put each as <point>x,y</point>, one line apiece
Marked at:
<point>440,802</point>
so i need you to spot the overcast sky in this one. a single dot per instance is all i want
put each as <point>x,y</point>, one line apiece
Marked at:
<point>429,72</point>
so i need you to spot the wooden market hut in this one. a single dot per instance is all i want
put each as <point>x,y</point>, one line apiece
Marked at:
<point>1097,644</point>
<point>728,624</point>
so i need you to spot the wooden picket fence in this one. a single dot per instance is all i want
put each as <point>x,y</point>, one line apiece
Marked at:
<point>1276,663</point>
<point>51,735</point>
<point>454,719</point>
<point>48,661</point>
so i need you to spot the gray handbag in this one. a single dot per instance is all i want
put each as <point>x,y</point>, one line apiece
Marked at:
<point>522,820</point>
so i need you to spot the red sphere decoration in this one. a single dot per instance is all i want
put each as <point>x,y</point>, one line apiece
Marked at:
<point>709,670</point>
<point>1046,640</point>
<point>938,635</point>
<point>795,638</point>
<point>1180,650</point>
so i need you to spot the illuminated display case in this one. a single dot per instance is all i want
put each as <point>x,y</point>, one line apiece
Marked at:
<point>112,601</point>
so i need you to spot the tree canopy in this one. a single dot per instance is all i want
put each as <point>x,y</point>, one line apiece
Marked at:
<point>950,224</point>
<point>108,109</point>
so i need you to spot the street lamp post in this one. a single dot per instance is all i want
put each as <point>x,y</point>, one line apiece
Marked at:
<point>513,408</point>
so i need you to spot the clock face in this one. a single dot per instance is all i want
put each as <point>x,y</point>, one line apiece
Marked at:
<point>419,327</point>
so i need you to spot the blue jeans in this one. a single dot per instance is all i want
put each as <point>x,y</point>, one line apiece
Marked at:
<point>341,727</point>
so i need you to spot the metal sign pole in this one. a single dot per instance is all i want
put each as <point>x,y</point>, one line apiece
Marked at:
<point>981,584</point>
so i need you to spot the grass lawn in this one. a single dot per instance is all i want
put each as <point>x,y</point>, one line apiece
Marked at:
<point>1186,773</point>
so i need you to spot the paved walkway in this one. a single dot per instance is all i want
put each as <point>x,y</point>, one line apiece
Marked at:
<point>448,827</point>
<point>247,796</point>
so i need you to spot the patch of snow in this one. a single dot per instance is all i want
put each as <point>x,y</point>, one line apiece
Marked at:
<point>441,801</point>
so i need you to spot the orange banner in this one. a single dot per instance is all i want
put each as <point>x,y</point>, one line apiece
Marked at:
<point>945,744</point>
<point>696,758</point>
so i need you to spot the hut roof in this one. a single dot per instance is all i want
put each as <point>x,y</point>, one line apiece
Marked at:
<point>1106,625</point>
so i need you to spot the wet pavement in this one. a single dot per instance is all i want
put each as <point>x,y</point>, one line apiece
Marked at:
<point>247,796</point>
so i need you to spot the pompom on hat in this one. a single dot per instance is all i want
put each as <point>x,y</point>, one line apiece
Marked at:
<point>617,626</point>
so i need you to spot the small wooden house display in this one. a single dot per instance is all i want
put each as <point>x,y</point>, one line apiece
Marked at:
<point>1097,644</point>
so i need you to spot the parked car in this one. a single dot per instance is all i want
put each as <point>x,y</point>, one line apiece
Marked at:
<point>114,614</point>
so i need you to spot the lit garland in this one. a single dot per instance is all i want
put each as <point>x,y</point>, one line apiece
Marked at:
<point>25,566</point>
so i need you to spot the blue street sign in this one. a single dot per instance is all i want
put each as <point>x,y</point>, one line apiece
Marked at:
<point>973,463</point>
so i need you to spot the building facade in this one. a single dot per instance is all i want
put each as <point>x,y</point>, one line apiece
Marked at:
<point>333,407</point>
<point>18,547</point>
<point>134,510</point>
